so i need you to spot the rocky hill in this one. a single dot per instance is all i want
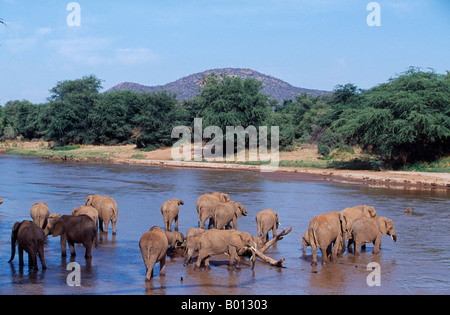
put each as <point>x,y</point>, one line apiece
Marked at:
<point>189,86</point>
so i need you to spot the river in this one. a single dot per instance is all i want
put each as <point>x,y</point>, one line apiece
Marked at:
<point>418,263</point>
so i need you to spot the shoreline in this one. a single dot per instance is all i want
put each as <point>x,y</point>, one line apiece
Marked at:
<point>129,155</point>
<point>390,179</point>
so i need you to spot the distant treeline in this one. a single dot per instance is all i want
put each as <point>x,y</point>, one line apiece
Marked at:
<point>403,121</point>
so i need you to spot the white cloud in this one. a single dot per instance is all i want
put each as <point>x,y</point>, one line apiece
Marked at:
<point>42,31</point>
<point>98,52</point>
<point>133,56</point>
<point>17,45</point>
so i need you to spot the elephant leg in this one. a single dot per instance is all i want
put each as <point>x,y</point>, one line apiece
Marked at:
<point>100,224</point>
<point>314,255</point>
<point>88,254</point>
<point>62,241</point>
<point>350,245</point>
<point>176,223</point>
<point>377,244</point>
<point>41,257</point>
<point>200,258</point>
<point>162,266</point>
<point>72,248</point>
<point>32,256</point>
<point>20,250</point>
<point>274,231</point>
<point>357,246</point>
<point>211,224</point>
<point>324,250</point>
<point>233,257</point>
<point>167,225</point>
<point>150,265</point>
<point>113,225</point>
<point>203,219</point>
<point>207,266</point>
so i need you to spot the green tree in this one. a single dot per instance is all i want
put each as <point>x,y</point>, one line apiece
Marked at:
<point>230,101</point>
<point>404,120</point>
<point>112,116</point>
<point>22,116</point>
<point>2,121</point>
<point>71,104</point>
<point>155,119</point>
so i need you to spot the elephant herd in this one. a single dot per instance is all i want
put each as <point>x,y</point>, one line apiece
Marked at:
<point>359,225</point>
<point>79,227</point>
<point>223,239</point>
<point>328,232</point>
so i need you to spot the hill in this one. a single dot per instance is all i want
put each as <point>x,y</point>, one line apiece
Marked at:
<point>189,86</point>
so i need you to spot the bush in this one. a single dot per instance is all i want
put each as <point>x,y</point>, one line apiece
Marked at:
<point>323,149</point>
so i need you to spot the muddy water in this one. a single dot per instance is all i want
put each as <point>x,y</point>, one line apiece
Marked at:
<point>418,263</point>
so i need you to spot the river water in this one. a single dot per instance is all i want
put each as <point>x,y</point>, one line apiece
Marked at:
<point>418,263</point>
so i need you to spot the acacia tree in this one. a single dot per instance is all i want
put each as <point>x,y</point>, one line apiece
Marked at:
<point>230,101</point>
<point>155,119</point>
<point>404,120</point>
<point>68,112</point>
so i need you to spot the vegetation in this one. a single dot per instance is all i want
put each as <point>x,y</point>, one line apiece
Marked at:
<point>403,123</point>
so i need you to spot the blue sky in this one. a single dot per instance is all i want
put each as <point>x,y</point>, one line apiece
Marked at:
<point>308,43</point>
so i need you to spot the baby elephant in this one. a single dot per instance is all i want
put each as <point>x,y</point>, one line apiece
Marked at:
<point>31,238</point>
<point>267,220</point>
<point>153,245</point>
<point>175,239</point>
<point>366,230</point>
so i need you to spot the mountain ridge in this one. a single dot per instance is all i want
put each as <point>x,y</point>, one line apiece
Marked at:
<point>189,86</point>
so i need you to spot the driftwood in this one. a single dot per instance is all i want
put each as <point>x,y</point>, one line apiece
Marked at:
<point>277,238</point>
<point>260,252</point>
<point>269,260</point>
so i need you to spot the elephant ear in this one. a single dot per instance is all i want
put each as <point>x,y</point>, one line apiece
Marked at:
<point>59,228</point>
<point>224,197</point>
<point>89,200</point>
<point>370,210</point>
<point>343,226</point>
<point>236,240</point>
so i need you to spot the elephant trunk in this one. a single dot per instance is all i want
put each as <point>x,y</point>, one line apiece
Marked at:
<point>253,258</point>
<point>394,236</point>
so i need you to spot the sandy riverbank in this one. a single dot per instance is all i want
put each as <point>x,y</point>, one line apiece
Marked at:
<point>128,154</point>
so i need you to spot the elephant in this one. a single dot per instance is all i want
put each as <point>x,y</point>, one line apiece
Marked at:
<point>170,210</point>
<point>153,245</point>
<point>267,220</point>
<point>193,236</point>
<point>29,237</point>
<point>192,245</point>
<point>73,229</point>
<point>226,212</point>
<point>206,204</point>
<point>351,214</point>
<point>305,242</point>
<point>325,231</point>
<point>194,231</point>
<point>229,242</point>
<point>107,210</point>
<point>87,210</point>
<point>366,230</point>
<point>1,201</point>
<point>39,213</point>
<point>175,239</point>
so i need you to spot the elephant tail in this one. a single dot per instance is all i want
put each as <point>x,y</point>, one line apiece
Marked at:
<point>312,237</point>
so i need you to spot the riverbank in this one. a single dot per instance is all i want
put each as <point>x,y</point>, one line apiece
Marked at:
<point>305,161</point>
